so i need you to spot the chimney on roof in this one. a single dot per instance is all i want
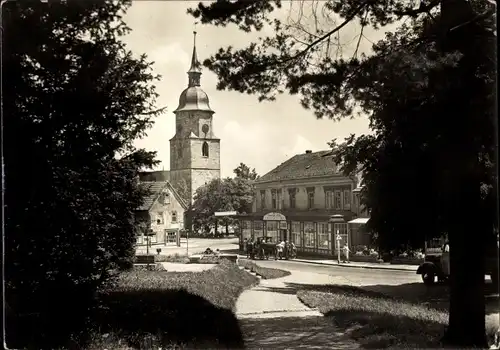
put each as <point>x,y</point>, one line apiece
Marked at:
<point>308,151</point>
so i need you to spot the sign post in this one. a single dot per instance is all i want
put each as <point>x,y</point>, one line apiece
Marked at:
<point>149,233</point>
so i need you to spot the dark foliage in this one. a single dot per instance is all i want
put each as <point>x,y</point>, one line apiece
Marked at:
<point>75,101</point>
<point>428,89</point>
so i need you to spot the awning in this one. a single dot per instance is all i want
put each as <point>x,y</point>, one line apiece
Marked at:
<point>359,221</point>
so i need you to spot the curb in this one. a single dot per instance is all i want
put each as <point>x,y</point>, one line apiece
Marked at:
<point>266,312</point>
<point>355,266</point>
<point>395,268</point>
<point>250,272</point>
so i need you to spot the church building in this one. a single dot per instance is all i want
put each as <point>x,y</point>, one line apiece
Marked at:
<point>194,149</point>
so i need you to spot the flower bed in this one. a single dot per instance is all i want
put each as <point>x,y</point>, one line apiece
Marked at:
<point>364,258</point>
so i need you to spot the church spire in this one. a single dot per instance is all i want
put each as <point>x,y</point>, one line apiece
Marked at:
<point>194,71</point>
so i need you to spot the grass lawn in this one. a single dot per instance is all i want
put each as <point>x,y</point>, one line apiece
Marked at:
<point>265,272</point>
<point>158,309</point>
<point>375,320</point>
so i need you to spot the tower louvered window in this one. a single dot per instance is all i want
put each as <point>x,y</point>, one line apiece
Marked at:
<point>204,149</point>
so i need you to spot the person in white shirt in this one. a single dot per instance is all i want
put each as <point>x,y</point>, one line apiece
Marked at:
<point>445,258</point>
<point>346,252</point>
<point>280,248</point>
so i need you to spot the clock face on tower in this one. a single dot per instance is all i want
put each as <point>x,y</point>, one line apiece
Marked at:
<point>205,128</point>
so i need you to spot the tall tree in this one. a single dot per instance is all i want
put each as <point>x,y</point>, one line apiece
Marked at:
<point>221,195</point>
<point>243,171</point>
<point>75,102</point>
<point>427,89</point>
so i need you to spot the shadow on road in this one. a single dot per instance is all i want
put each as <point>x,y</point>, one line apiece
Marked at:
<point>294,333</point>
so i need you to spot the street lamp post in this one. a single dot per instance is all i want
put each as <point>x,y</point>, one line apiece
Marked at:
<point>187,243</point>
<point>338,218</point>
<point>338,246</point>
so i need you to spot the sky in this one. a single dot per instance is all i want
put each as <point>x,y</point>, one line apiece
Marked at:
<point>260,134</point>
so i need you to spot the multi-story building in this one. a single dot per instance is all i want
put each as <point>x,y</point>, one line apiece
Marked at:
<point>161,214</point>
<point>305,200</point>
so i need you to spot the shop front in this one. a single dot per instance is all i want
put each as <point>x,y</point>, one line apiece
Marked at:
<point>312,233</point>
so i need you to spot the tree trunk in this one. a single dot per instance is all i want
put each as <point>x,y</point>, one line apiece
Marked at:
<point>468,226</point>
<point>467,269</point>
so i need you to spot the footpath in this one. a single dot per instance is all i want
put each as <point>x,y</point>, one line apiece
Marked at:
<point>272,317</point>
<point>383,266</point>
<point>363,265</point>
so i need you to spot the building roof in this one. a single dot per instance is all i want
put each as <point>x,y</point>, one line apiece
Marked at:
<point>158,175</point>
<point>302,166</point>
<point>155,188</point>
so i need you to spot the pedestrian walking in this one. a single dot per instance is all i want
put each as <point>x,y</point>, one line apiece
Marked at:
<point>346,253</point>
<point>279,249</point>
<point>250,245</point>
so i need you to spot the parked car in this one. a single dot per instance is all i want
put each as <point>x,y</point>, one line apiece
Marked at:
<point>436,263</point>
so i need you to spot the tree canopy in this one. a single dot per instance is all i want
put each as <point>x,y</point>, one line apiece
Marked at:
<point>75,102</point>
<point>428,91</point>
<point>229,194</point>
<point>243,171</point>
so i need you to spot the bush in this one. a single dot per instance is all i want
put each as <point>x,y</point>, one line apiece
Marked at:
<point>364,250</point>
<point>174,258</point>
<point>152,267</point>
<point>265,272</point>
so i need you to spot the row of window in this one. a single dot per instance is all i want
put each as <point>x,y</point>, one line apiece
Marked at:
<point>160,217</point>
<point>302,234</point>
<point>334,199</point>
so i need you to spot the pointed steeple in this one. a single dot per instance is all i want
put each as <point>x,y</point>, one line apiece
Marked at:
<point>194,71</point>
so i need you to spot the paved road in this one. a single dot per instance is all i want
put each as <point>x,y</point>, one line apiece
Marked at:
<point>194,245</point>
<point>353,274</point>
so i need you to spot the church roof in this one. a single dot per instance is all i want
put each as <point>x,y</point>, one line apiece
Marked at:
<point>301,166</point>
<point>193,98</point>
<point>155,189</point>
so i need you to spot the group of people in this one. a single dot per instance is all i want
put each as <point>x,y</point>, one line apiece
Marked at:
<point>249,246</point>
<point>281,249</point>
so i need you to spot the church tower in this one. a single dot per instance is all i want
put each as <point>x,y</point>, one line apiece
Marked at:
<point>194,149</point>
